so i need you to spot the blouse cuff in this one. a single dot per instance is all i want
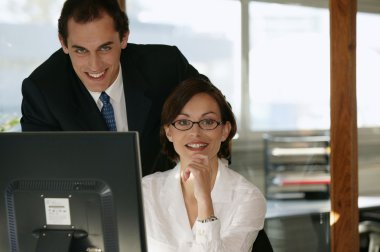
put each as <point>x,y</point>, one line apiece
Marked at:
<point>207,232</point>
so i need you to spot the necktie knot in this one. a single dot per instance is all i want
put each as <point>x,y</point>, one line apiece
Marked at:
<point>104,98</point>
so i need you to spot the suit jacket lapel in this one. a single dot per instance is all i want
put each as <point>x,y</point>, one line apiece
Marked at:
<point>88,114</point>
<point>91,119</point>
<point>138,105</point>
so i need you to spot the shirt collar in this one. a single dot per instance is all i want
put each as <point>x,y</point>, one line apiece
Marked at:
<point>222,192</point>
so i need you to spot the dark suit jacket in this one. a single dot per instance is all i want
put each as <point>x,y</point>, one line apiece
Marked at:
<point>54,99</point>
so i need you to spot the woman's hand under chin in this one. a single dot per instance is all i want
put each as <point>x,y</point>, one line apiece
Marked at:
<point>197,170</point>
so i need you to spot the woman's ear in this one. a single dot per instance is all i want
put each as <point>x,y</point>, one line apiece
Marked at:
<point>168,133</point>
<point>226,130</point>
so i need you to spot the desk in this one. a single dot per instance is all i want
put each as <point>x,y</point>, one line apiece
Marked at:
<point>304,225</point>
<point>287,208</point>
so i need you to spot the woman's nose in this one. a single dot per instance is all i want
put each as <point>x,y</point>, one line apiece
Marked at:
<point>195,129</point>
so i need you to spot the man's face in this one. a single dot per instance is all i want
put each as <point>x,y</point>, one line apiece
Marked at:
<point>94,49</point>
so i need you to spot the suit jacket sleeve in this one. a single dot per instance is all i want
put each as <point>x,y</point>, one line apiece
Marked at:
<point>36,114</point>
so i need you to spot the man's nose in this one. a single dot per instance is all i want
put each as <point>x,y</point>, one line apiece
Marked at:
<point>94,62</point>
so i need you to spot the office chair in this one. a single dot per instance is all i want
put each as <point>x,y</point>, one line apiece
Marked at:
<point>372,229</point>
<point>262,243</point>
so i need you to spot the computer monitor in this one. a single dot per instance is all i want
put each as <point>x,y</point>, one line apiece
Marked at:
<point>71,191</point>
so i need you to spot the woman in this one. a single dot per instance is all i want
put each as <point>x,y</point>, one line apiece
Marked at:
<point>201,204</point>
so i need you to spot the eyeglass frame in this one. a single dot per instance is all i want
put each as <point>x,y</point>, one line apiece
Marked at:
<point>199,125</point>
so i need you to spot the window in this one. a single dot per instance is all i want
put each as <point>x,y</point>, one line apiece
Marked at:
<point>289,70</point>
<point>209,37</point>
<point>367,67</point>
<point>28,37</point>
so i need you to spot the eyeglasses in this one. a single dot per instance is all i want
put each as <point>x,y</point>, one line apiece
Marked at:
<point>205,124</point>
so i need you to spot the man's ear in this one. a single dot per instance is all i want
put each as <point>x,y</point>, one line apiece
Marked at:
<point>124,40</point>
<point>168,133</point>
<point>64,46</point>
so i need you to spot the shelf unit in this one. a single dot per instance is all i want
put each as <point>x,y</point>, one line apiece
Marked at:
<point>297,166</point>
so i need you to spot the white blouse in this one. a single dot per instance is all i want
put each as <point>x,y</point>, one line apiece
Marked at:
<point>238,204</point>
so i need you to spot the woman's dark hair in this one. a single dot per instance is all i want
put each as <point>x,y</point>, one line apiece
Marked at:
<point>84,11</point>
<point>178,99</point>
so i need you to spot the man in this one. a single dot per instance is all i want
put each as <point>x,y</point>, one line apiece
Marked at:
<point>70,90</point>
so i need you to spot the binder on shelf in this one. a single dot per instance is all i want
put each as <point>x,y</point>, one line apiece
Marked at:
<point>296,166</point>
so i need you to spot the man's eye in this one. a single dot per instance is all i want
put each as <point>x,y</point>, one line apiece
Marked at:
<point>80,50</point>
<point>105,48</point>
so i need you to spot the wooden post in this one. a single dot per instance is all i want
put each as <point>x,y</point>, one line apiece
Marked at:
<point>344,161</point>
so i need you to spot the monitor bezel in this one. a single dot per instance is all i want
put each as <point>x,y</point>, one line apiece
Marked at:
<point>111,157</point>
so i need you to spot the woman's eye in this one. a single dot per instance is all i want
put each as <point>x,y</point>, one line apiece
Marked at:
<point>208,121</point>
<point>183,122</point>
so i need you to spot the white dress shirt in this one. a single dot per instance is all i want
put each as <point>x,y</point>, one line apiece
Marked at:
<point>238,204</point>
<point>117,99</point>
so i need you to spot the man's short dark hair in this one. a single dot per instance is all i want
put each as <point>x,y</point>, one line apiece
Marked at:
<point>84,11</point>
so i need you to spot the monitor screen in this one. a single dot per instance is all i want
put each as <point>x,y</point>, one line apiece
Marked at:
<point>71,191</point>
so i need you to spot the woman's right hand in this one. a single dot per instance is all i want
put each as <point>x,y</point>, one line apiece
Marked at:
<point>199,171</point>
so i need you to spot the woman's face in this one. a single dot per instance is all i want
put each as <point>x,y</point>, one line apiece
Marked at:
<point>196,140</point>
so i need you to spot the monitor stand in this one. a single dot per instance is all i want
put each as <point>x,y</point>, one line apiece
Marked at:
<point>63,241</point>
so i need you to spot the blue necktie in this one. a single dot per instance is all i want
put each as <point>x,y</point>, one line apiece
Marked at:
<point>107,112</point>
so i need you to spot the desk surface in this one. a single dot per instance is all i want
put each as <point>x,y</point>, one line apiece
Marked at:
<point>287,208</point>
